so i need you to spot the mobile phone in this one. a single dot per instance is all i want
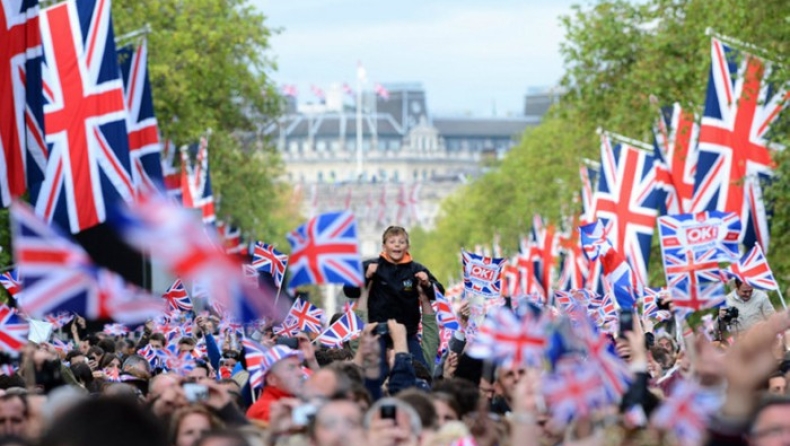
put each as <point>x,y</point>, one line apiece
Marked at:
<point>195,392</point>
<point>382,329</point>
<point>302,414</point>
<point>388,411</point>
<point>662,305</point>
<point>626,320</point>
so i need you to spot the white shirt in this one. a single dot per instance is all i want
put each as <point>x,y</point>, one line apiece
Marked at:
<point>756,309</point>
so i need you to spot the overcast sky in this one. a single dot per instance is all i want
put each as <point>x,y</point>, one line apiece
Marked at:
<point>468,55</point>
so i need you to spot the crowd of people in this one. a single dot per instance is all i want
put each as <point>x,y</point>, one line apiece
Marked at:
<point>397,383</point>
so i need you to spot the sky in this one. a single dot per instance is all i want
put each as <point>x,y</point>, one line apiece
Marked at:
<point>472,57</point>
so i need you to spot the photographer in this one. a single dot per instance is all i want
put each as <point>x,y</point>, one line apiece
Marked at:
<point>746,306</point>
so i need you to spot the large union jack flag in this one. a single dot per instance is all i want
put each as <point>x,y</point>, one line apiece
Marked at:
<point>196,190</point>
<point>575,267</point>
<point>676,133</point>
<point>734,148</point>
<point>58,275</point>
<point>702,231</point>
<point>10,281</point>
<point>23,152</point>
<point>753,269</point>
<point>326,250</point>
<point>693,278</point>
<point>685,413</point>
<point>144,148</point>
<point>267,259</point>
<point>628,199</point>
<point>13,330</point>
<point>482,275</point>
<point>547,253</point>
<point>88,168</point>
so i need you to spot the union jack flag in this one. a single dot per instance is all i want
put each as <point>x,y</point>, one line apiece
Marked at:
<point>482,275</point>
<point>196,190</point>
<point>150,354</point>
<point>602,358</point>
<point>701,232</point>
<point>572,390</point>
<point>231,238</point>
<point>381,92</point>
<point>693,278</point>
<point>253,355</point>
<point>445,316</point>
<point>144,148</point>
<point>113,374</point>
<point>85,118</point>
<point>344,329</point>
<point>23,153</point>
<point>575,266</point>
<point>12,284</point>
<point>289,90</point>
<point>650,304</point>
<point>685,413</point>
<point>676,133</point>
<point>307,317</point>
<point>115,329</point>
<point>60,346</point>
<point>546,253</point>
<point>510,280</point>
<point>525,262</point>
<point>267,259</point>
<point>326,250</point>
<point>753,269</point>
<point>181,362</point>
<point>177,297</point>
<point>595,240</point>
<point>58,275</point>
<point>607,310</point>
<point>59,320</point>
<point>627,201</point>
<point>734,149</point>
<point>171,176</point>
<point>588,176</point>
<point>510,341</point>
<point>13,330</point>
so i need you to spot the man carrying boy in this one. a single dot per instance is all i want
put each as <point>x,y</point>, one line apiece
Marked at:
<point>395,283</point>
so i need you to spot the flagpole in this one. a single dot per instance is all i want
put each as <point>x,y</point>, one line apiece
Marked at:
<point>145,30</point>
<point>781,297</point>
<point>736,42</point>
<point>616,136</point>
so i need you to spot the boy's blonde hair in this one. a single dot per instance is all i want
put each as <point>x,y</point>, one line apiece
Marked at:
<point>393,231</point>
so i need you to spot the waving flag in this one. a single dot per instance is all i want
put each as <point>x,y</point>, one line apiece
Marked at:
<point>23,152</point>
<point>693,278</point>
<point>10,281</point>
<point>510,341</point>
<point>171,176</point>
<point>547,253</point>
<point>115,329</point>
<point>177,297</point>
<point>144,148</point>
<point>482,275</point>
<point>267,259</point>
<point>595,240</point>
<point>381,92</point>
<point>445,316</point>
<point>628,199</point>
<point>253,355</point>
<point>572,390</point>
<point>326,250</point>
<point>58,275</point>
<point>575,266</point>
<point>676,133</point>
<point>85,117</point>
<point>307,317</point>
<point>650,305</point>
<point>59,320</point>
<point>734,151</point>
<point>13,330</point>
<point>231,238</point>
<point>685,413</point>
<point>701,232</point>
<point>753,269</point>
<point>604,361</point>
<point>525,262</point>
<point>197,192</point>
<point>344,329</point>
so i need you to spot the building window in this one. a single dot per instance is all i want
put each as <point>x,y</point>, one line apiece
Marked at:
<point>320,146</point>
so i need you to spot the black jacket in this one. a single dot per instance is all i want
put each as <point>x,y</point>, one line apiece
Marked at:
<point>394,294</point>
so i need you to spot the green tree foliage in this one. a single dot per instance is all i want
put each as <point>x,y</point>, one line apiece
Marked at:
<point>616,54</point>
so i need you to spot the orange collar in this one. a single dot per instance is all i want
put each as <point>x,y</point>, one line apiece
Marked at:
<point>406,258</point>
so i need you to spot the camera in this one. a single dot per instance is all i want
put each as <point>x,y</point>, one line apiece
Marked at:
<point>195,392</point>
<point>730,314</point>
<point>382,329</point>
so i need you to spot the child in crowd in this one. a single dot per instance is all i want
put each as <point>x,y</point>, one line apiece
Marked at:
<point>395,281</point>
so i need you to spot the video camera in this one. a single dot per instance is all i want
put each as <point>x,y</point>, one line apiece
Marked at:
<point>730,314</point>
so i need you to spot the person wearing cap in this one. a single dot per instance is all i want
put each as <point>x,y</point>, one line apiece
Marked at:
<point>283,376</point>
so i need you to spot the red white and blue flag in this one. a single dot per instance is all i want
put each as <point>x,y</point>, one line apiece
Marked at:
<point>196,190</point>
<point>267,259</point>
<point>177,297</point>
<point>305,316</point>
<point>685,413</point>
<point>588,176</point>
<point>253,355</point>
<point>575,267</point>
<point>546,253</point>
<point>344,329</point>
<point>445,316</point>
<point>753,269</point>
<point>12,284</point>
<point>572,390</point>
<point>734,147</point>
<point>482,275</point>
<point>23,152</point>
<point>650,304</point>
<point>510,341</point>
<point>13,330</point>
<point>326,250</point>
<point>627,200</point>
<point>58,275</point>
<point>701,232</point>
<point>88,170</point>
<point>676,133</point>
<point>144,147</point>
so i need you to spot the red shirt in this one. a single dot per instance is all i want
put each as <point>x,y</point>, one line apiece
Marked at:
<point>260,410</point>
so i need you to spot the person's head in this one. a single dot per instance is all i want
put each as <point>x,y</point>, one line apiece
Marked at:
<point>777,384</point>
<point>125,346</point>
<point>326,383</point>
<point>743,290</point>
<point>75,356</point>
<point>82,373</point>
<point>447,408</point>
<point>405,416</point>
<point>138,366</point>
<point>190,423</point>
<point>337,423</point>
<point>770,422</point>
<point>102,421</point>
<point>186,344</point>
<point>507,378</point>
<point>666,341</point>
<point>286,373</point>
<point>107,344</point>
<point>395,242</point>
<point>465,393</point>
<point>422,404</point>
<point>13,414</point>
<point>157,341</point>
<point>662,358</point>
<point>110,361</point>
<point>166,395</point>
<point>94,356</point>
<point>200,371</point>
